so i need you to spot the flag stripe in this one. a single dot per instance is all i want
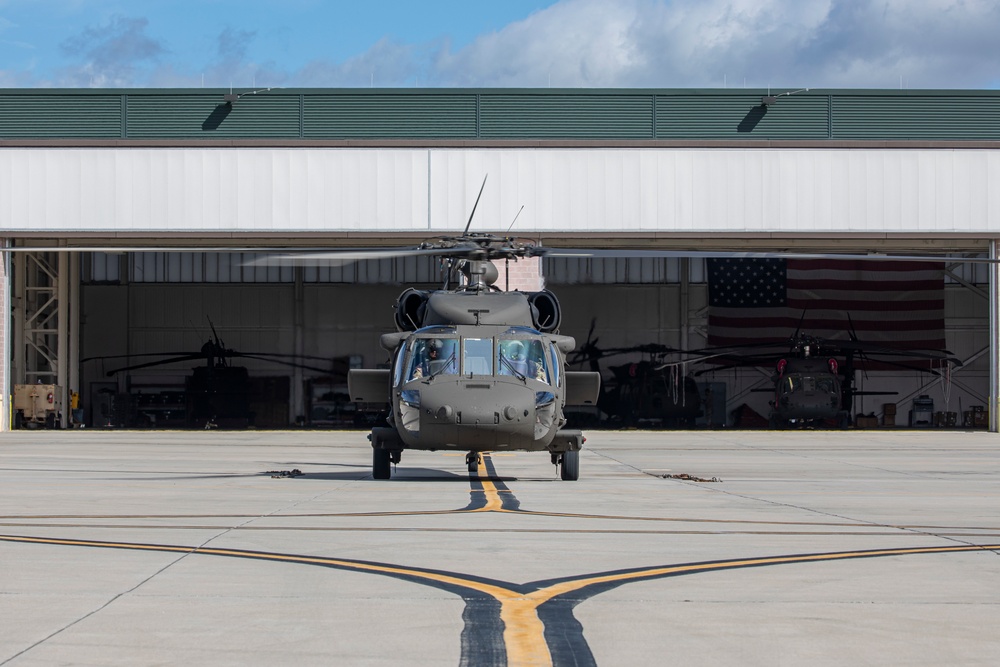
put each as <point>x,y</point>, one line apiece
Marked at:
<point>837,324</point>
<point>862,266</point>
<point>864,285</point>
<point>862,302</point>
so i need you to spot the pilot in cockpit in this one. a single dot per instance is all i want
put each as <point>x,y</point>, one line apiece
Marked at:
<point>515,361</point>
<point>431,360</point>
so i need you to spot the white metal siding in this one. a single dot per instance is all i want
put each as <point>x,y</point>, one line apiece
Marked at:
<point>587,190</point>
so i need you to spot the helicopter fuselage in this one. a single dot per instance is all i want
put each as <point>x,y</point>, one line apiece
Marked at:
<point>480,399</point>
<point>485,372</point>
<point>807,390</point>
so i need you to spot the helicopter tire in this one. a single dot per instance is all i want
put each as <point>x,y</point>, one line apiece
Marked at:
<point>472,460</point>
<point>569,471</point>
<point>381,463</point>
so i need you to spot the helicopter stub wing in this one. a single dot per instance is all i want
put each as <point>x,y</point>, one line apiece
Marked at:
<point>582,387</point>
<point>368,385</point>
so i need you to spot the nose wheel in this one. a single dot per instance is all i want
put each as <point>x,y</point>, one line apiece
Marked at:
<point>472,460</point>
<point>569,464</point>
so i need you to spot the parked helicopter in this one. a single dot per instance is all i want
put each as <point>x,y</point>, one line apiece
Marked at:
<point>218,393</point>
<point>646,391</point>
<point>474,368</point>
<point>810,386</point>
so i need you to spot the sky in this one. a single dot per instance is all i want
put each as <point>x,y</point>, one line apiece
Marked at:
<point>248,44</point>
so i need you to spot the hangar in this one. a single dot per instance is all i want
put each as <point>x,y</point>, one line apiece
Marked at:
<point>130,219</point>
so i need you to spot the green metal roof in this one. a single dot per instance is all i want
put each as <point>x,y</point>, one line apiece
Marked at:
<point>500,114</point>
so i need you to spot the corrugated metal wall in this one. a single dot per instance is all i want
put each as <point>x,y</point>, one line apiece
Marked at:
<point>500,114</point>
<point>386,115</point>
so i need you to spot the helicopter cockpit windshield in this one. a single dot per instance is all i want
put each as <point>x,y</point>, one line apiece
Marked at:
<point>522,356</point>
<point>796,383</point>
<point>433,354</point>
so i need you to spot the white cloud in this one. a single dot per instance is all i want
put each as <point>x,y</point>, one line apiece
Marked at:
<point>702,43</point>
<point>110,55</point>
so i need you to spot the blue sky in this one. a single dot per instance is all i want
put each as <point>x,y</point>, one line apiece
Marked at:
<point>501,43</point>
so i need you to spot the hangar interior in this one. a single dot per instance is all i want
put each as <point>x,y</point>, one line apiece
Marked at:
<point>161,213</point>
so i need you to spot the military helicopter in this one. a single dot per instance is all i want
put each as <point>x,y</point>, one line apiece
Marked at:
<point>648,391</point>
<point>216,394</point>
<point>810,386</point>
<point>474,368</point>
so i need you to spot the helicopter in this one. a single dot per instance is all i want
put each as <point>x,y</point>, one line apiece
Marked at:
<point>216,394</point>
<point>810,386</point>
<point>474,368</point>
<point>646,391</point>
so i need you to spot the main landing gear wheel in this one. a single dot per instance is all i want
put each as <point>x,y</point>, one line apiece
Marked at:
<point>381,463</point>
<point>569,469</point>
<point>472,460</point>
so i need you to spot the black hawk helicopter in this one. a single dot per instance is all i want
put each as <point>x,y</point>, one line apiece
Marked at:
<point>218,393</point>
<point>810,385</point>
<point>476,369</point>
<point>647,391</point>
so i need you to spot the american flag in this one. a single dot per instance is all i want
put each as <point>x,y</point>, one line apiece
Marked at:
<point>898,304</point>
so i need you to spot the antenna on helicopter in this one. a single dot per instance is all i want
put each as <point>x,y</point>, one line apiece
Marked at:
<point>515,218</point>
<point>469,223</point>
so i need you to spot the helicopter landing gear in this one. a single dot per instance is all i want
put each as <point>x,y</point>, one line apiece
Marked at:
<point>387,449</point>
<point>472,460</point>
<point>381,463</point>
<point>569,465</point>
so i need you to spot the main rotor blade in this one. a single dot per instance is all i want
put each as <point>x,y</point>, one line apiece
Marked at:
<point>161,362</point>
<point>140,354</point>
<point>603,253</point>
<point>291,364</point>
<point>336,257</point>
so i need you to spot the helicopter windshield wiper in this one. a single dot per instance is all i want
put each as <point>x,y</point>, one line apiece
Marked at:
<point>510,366</point>
<point>449,362</point>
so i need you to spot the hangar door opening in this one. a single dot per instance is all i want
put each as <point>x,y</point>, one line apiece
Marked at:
<point>629,315</point>
<point>196,340</point>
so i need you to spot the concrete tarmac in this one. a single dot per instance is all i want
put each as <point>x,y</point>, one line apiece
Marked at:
<point>820,548</point>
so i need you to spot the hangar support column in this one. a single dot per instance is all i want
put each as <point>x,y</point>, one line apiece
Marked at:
<point>42,342</point>
<point>994,405</point>
<point>5,324</point>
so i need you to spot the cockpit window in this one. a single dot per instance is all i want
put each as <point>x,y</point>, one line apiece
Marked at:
<point>477,356</point>
<point>522,357</point>
<point>397,371</point>
<point>432,356</point>
<point>556,380</point>
<point>823,383</point>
